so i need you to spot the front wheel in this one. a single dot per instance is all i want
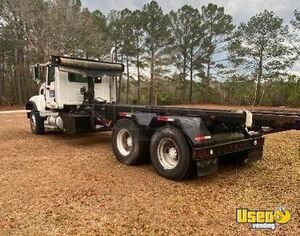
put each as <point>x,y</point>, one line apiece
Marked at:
<point>171,155</point>
<point>36,123</point>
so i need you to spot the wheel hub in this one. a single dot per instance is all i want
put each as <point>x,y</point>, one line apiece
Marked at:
<point>173,153</point>
<point>167,152</point>
<point>33,122</point>
<point>124,142</point>
<point>129,141</point>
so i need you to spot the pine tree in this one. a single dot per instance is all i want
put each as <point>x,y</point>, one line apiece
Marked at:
<point>127,40</point>
<point>138,40</point>
<point>187,36</point>
<point>219,28</point>
<point>296,25</point>
<point>114,32</point>
<point>155,26</point>
<point>296,21</point>
<point>260,48</point>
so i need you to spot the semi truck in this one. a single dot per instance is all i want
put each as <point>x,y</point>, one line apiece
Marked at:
<point>80,95</point>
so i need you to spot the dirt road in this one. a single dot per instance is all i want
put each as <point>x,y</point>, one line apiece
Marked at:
<point>57,185</point>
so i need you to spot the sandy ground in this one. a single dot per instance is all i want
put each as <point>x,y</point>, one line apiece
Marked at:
<point>60,185</point>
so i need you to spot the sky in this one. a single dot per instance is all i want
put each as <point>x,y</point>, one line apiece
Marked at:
<point>241,10</point>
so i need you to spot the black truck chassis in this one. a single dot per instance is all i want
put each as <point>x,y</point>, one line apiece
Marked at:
<point>210,135</point>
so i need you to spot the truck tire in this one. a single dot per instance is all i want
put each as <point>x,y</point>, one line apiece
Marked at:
<point>36,123</point>
<point>170,154</point>
<point>129,144</point>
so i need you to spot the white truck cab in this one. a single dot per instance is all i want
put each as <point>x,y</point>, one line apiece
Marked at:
<point>65,84</point>
<point>64,88</point>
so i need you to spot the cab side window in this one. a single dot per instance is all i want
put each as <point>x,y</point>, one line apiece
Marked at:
<point>78,78</point>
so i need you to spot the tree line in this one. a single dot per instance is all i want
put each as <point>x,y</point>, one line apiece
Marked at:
<point>187,55</point>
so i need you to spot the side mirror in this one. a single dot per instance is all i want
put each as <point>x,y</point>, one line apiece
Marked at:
<point>35,69</point>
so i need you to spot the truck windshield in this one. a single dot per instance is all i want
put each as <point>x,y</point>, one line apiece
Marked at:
<point>78,78</point>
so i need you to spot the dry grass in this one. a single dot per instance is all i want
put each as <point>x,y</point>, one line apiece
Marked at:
<point>60,185</point>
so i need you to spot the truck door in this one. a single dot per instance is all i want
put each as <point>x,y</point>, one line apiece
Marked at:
<point>50,88</point>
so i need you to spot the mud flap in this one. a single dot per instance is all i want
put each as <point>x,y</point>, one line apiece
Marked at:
<point>254,155</point>
<point>207,166</point>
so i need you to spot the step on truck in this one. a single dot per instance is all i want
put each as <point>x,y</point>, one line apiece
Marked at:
<point>79,95</point>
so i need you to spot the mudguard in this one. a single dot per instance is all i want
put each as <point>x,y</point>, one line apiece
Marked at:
<point>192,127</point>
<point>36,103</point>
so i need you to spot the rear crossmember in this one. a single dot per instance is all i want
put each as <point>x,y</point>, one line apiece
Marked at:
<point>227,148</point>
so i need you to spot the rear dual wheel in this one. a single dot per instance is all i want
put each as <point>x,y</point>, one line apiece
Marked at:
<point>171,155</point>
<point>169,150</point>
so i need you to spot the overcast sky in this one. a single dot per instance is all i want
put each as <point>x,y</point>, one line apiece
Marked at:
<point>241,10</point>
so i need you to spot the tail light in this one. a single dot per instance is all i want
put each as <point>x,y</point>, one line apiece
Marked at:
<point>124,114</point>
<point>260,142</point>
<point>164,119</point>
<point>200,138</point>
<point>203,153</point>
